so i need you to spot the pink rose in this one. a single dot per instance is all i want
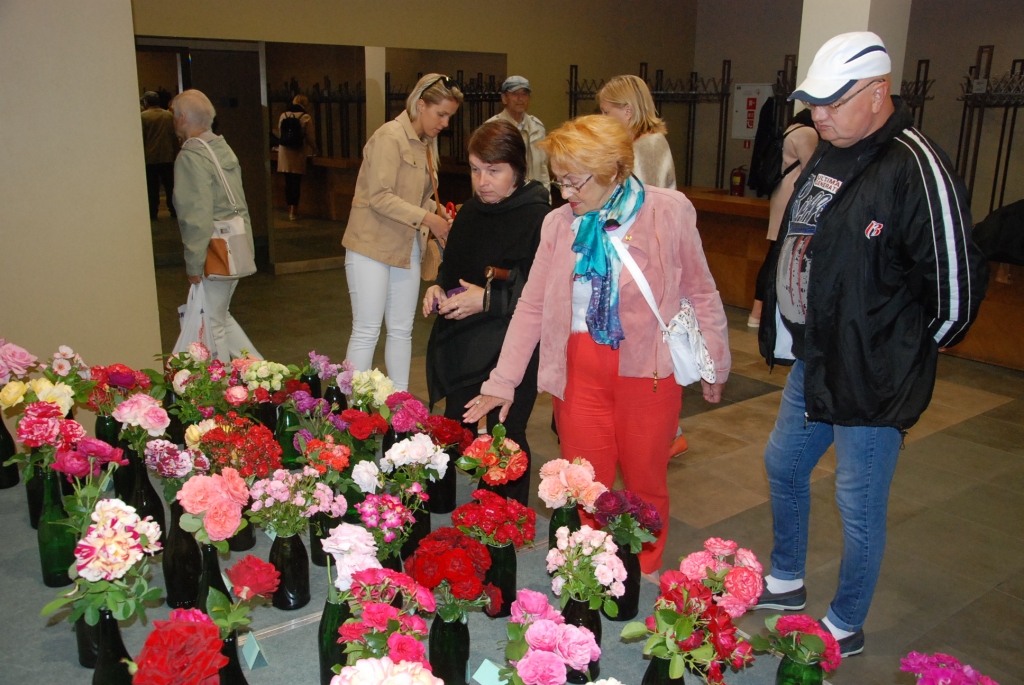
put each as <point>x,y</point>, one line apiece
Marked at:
<point>541,668</point>
<point>732,605</point>
<point>198,351</point>
<point>695,566</point>
<point>553,468</point>
<point>154,420</point>
<point>543,635</point>
<point>71,432</point>
<point>198,493</point>
<point>377,614</point>
<point>720,547</point>
<point>236,395</point>
<point>575,647</point>
<point>73,464</point>
<point>744,584</point>
<point>553,493</point>
<point>233,485</point>
<point>191,615</point>
<point>101,451</point>
<point>529,605</point>
<point>744,557</point>
<point>38,432</point>
<point>403,647</point>
<point>577,478</point>
<point>15,359</point>
<point>222,518</point>
<point>425,598</point>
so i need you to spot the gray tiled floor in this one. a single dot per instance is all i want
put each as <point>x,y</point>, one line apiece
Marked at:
<point>953,576</point>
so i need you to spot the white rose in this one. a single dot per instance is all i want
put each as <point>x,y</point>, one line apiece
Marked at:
<point>439,462</point>
<point>365,475</point>
<point>61,394</point>
<point>180,380</point>
<point>263,372</point>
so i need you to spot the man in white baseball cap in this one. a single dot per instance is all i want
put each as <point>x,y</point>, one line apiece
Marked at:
<point>515,95</point>
<point>874,273</point>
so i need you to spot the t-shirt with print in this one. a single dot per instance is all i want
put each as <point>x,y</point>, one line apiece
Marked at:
<point>827,176</point>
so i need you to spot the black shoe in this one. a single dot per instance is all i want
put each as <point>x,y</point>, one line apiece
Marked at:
<point>794,600</point>
<point>852,644</point>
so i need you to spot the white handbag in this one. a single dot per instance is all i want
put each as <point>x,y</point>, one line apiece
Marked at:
<point>229,256</point>
<point>691,360</point>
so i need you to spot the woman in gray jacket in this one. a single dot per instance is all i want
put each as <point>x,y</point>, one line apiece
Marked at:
<point>199,199</point>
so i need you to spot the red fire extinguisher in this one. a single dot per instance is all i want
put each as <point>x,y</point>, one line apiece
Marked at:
<point>738,181</point>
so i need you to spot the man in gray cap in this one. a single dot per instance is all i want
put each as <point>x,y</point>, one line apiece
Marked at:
<point>515,95</point>
<point>161,147</point>
<point>875,272</point>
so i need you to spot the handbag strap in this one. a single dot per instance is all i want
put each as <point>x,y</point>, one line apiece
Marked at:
<point>638,277</point>
<point>433,181</point>
<point>220,171</point>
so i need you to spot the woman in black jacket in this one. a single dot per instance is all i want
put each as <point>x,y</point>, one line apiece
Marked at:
<point>489,253</point>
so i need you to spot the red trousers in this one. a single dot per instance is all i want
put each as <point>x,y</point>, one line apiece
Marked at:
<point>616,421</point>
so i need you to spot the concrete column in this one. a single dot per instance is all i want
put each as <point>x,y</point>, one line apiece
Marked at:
<point>376,105</point>
<point>823,19</point>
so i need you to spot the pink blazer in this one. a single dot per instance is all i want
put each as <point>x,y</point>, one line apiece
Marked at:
<point>665,244</point>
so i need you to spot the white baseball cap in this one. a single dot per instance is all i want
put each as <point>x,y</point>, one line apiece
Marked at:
<point>840,63</point>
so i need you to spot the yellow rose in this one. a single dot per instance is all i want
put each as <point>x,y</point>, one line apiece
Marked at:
<point>13,393</point>
<point>61,394</point>
<point>40,385</point>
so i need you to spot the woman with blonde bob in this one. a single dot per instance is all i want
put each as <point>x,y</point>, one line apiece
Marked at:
<point>602,355</point>
<point>628,100</point>
<point>393,212</point>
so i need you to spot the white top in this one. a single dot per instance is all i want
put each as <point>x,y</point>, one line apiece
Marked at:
<point>582,290</point>
<point>652,161</point>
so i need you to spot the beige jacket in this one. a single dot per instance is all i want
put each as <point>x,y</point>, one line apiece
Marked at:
<point>294,161</point>
<point>533,132</point>
<point>652,161</point>
<point>393,194</point>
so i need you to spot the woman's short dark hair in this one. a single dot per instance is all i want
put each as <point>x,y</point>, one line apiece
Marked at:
<point>498,142</point>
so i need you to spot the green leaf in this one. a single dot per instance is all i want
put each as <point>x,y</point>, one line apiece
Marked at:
<point>759,643</point>
<point>190,523</point>
<point>676,667</point>
<point>633,630</point>
<point>653,640</point>
<point>218,601</point>
<point>515,651</point>
<point>813,643</point>
<point>55,604</point>
<point>611,608</point>
<point>664,619</point>
<point>92,615</point>
<point>703,653</point>
<point>771,621</point>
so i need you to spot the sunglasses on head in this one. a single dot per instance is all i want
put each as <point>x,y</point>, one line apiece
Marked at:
<point>445,81</point>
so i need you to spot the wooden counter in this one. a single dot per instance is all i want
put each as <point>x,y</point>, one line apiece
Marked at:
<point>732,230</point>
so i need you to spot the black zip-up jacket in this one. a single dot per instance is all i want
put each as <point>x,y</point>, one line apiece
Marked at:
<point>894,276</point>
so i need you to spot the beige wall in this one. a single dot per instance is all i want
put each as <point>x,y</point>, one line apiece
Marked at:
<point>76,264</point>
<point>948,33</point>
<point>540,38</point>
<point>756,36</point>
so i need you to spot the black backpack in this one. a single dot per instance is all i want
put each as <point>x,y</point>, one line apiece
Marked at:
<point>292,135</point>
<point>767,172</point>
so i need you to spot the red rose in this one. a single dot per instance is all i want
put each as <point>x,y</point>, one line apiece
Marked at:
<point>425,568</point>
<point>279,397</point>
<point>252,576</point>
<point>180,652</point>
<point>361,428</point>
<point>469,589</point>
<point>142,380</point>
<point>73,464</point>
<point>98,374</point>
<point>648,517</point>
<point>691,643</point>
<point>380,424</point>
<point>121,376</point>
<point>262,394</point>
<point>43,410</point>
<point>352,631</point>
<point>494,599</point>
<point>38,432</point>
<point>516,465</point>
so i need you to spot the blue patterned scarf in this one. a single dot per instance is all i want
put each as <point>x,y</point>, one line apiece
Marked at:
<point>598,262</point>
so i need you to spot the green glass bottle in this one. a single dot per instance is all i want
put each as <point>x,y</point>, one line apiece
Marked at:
<point>331,652</point>
<point>9,476</point>
<point>286,438</point>
<point>57,540</point>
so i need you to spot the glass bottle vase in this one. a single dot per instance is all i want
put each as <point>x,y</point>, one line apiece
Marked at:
<point>110,668</point>
<point>420,530</point>
<point>442,492</point>
<point>657,674</point>
<point>231,673</point>
<point>313,381</point>
<point>502,574</point>
<point>9,476</point>
<point>331,652</point>
<point>448,651</point>
<point>210,578</point>
<point>568,516</point>
<point>577,612</point>
<point>286,438</point>
<point>56,539</point>
<point>288,555</point>
<point>320,525</point>
<point>795,673</point>
<point>267,415</point>
<point>335,396</point>
<point>182,563</point>
<point>245,539</point>
<point>144,496</point>
<point>87,638</point>
<point>175,429</point>
<point>629,602</point>
<point>34,493</point>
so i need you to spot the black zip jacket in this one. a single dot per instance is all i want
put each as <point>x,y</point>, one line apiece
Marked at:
<point>894,276</point>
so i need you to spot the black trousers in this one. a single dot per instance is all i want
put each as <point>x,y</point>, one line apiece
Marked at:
<point>155,175</point>
<point>764,275</point>
<point>292,188</point>
<point>515,422</point>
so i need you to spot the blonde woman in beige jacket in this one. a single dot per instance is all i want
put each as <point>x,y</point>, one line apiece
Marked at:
<point>392,214</point>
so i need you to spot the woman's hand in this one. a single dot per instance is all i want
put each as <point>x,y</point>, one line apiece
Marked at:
<point>712,391</point>
<point>194,280</point>
<point>433,297</point>
<point>464,304</point>
<point>438,225</point>
<point>481,405</point>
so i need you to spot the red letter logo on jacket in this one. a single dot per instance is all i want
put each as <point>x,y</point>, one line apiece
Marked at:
<point>873,230</point>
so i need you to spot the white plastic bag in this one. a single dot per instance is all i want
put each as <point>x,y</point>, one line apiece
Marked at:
<point>193,324</point>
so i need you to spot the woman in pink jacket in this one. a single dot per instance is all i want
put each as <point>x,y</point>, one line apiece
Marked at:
<point>602,355</point>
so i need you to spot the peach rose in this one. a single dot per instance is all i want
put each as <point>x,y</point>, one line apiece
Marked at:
<point>198,493</point>
<point>577,478</point>
<point>222,519</point>
<point>589,496</point>
<point>553,468</point>
<point>553,492</point>
<point>233,486</point>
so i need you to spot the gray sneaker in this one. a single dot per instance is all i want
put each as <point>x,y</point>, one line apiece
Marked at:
<point>794,600</point>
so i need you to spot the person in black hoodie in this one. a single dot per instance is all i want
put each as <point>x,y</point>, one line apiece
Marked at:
<point>874,272</point>
<point>489,254</point>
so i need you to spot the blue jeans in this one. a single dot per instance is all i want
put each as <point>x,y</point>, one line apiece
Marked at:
<point>865,463</point>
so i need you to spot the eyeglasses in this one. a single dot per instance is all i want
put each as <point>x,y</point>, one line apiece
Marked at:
<point>839,103</point>
<point>445,81</point>
<point>571,187</point>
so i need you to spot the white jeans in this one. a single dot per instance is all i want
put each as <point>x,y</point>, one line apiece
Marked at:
<point>228,337</point>
<point>381,292</point>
